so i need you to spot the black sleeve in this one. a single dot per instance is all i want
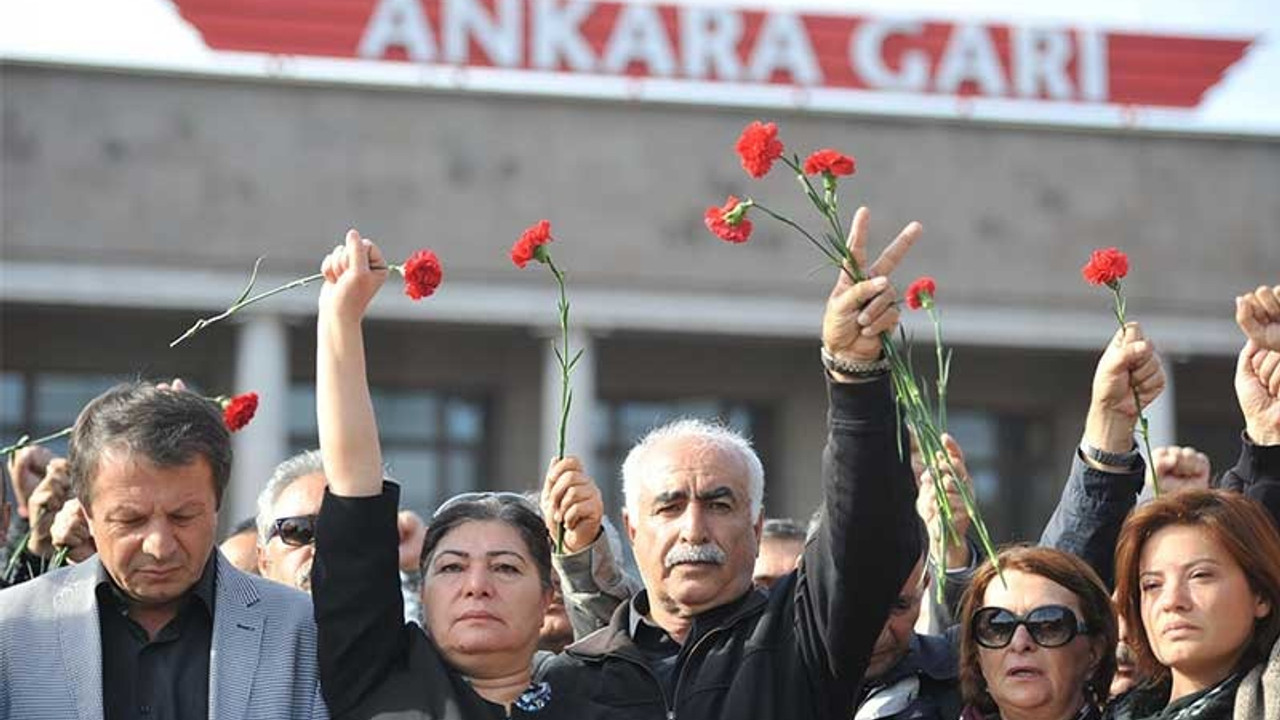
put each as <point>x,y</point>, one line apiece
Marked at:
<point>1090,513</point>
<point>1257,475</point>
<point>866,543</point>
<point>355,586</point>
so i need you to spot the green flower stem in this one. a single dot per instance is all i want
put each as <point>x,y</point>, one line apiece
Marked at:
<point>245,301</point>
<point>944,368</point>
<point>912,404</point>
<point>566,367</point>
<point>17,554</point>
<point>25,440</point>
<point>1143,424</point>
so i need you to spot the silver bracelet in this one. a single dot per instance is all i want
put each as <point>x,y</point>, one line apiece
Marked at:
<point>873,368</point>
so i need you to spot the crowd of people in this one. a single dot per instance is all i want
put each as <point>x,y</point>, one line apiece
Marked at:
<point>333,602</point>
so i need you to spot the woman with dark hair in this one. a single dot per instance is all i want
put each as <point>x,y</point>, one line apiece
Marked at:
<point>486,558</point>
<point>1039,644</point>
<point>1198,581</point>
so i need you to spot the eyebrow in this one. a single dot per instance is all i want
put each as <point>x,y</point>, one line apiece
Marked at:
<point>713,494</point>
<point>1190,563</point>
<point>491,554</point>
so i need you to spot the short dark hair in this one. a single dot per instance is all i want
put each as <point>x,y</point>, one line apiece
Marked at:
<point>782,529</point>
<point>1239,524</point>
<point>170,428</point>
<point>1064,569</point>
<point>517,513</point>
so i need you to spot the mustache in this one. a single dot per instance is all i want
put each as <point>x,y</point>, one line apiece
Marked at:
<point>707,553</point>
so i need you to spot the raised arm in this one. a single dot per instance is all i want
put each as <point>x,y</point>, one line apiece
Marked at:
<point>1257,472</point>
<point>1106,470</point>
<point>591,580</point>
<point>344,410</point>
<point>355,576</point>
<point>867,539</point>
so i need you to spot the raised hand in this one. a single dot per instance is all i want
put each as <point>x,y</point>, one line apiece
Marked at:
<point>70,530</point>
<point>1130,363</point>
<point>350,281</point>
<point>45,502</point>
<point>957,548</point>
<point>570,496</point>
<point>1258,315</point>
<point>1258,392</point>
<point>1180,468</point>
<point>26,470</point>
<point>858,312</point>
<point>413,532</point>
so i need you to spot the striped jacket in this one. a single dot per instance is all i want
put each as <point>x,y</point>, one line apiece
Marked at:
<point>262,664</point>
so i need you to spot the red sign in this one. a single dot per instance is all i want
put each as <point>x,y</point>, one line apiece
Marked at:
<point>1053,64</point>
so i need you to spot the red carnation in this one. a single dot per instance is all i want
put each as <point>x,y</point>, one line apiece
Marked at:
<point>729,223</point>
<point>829,161</point>
<point>1105,267</point>
<point>921,291</point>
<point>239,410</point>
<point>526,248</point>
<point>758,146</point>
<point>422,274</point>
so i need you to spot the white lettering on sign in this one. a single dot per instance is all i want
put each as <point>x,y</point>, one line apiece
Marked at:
<point>398,23</point>
<point>970,55</point>
<point>784,44</point>
<point>1092,66</point>
<point>638,35</point>
<point>866,54</point>
<point>1040,60</point>
<point>556,35</point>
<point>709,40</point>
<point>500,36</point>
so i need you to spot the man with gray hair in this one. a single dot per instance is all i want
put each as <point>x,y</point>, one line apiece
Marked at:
<point>698,641</point>
<point>287,510</point>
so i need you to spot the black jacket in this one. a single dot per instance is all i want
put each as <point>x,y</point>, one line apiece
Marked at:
<point>923,685</point>
<point>801,650</point>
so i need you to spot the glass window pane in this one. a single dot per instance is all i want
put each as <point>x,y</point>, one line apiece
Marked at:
<point>11,398</point>
<point>406,415</point>
<point>461,472</point>
<point>302,410</point>
<point>59,397</point>
<point>464,421</point>
<point>417,471</point>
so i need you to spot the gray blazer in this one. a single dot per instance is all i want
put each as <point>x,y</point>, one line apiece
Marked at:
<point>262,661</point>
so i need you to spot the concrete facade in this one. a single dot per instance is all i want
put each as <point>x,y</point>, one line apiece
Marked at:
<point>133,203</point>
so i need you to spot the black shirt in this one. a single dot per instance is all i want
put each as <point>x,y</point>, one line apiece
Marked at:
<point>162,678</point>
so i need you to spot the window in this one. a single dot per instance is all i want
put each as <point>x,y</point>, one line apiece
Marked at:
<point>433,442</point>
<point>1007,457</point>
<point>43,403</point>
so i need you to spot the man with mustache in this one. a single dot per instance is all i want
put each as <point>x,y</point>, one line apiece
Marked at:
<point>699,641</point>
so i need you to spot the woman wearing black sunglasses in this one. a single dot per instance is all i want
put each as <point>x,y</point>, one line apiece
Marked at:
<point>1041,644</point>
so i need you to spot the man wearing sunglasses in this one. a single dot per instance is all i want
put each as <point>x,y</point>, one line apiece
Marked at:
<point>287,511</point>
<point>157,624</point>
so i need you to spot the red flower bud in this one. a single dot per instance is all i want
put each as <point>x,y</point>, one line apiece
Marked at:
<point>422,274</point>
<point>729,223</point>
<point>758,146</point>
<point>239,410</point>
<point>526,248</point>
<point>1105,267</point>
<point>921,292</point>
<point>830,161</point>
